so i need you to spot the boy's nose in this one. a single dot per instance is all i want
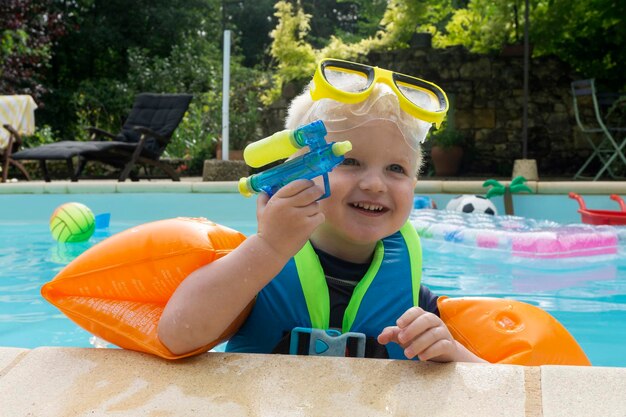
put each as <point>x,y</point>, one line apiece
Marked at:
<point>372,182</point>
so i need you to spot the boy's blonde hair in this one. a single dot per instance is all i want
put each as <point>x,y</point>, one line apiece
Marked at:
<point>381,104</point>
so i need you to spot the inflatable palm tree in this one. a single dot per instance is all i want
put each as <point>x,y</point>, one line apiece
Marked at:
<point>517,185</point>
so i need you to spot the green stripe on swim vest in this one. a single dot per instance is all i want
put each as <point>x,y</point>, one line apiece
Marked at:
<point>361,288</point>
<point>415,256</point>
<point>314,287</point>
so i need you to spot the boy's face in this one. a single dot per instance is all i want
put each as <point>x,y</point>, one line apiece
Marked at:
<point>372,191</point>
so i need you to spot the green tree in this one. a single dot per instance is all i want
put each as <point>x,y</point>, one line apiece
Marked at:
<point>28,30</point>
<point>201,75</point>
<point>348,20</point>
<point>590,35</point>
<point>107,30</point>
<point>92,61</point>
<point>251,21</point>
<point>296,56</point>
<point>482,26</point>
<point>365,19</point>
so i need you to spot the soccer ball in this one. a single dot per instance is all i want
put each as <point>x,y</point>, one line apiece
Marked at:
<point>472,204</point>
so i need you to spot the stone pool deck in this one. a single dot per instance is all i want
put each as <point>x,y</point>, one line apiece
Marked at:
<point>51,382</point>
<point>196,185</point>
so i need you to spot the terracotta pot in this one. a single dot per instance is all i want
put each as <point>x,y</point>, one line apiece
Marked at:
<point>446,161</point>
<point>233,154</point>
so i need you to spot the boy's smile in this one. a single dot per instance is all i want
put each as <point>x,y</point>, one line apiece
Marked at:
<point>370,208</point>
<point>371,192</point>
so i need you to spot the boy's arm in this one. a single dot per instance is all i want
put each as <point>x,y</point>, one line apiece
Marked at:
<point>212,297</point>
<point>426,336</point>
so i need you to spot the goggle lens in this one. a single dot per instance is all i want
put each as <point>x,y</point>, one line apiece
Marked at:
<point>345,79</point>
<point>420,97</point>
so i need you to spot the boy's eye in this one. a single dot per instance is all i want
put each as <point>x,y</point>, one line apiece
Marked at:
<point>397,168</point>
<point>350,162</point>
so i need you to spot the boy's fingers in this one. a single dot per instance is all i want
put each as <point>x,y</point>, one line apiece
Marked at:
<point>409,316</point>
<point>419,326</point>
<point>261,203</point>
<point>301,194</point>
<point>293,188</point>
<point>310,209</point>
<point>423,340</point>
<point>437,349</point>
<point>308,196</point>
<point>389,334</point>
<point>262,200</point>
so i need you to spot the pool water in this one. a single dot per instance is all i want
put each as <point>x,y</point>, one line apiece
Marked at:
<point>29,256</point>
<point>590,300</point>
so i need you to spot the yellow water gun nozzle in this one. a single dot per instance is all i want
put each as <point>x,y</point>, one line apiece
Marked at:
<point>341,148</point>
<point>244,188</point>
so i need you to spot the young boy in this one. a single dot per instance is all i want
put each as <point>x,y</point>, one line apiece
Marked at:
<point>350,261</point>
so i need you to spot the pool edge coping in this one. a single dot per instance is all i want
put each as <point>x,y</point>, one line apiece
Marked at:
<point>538,390</point>
<point>422,187</point>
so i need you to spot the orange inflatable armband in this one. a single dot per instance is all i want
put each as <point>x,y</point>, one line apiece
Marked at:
<point>117,289</point>
<point>509,331</point>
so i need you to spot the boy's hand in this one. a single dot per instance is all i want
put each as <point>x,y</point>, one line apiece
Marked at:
<point>422,334</point>
<point>286,221</point>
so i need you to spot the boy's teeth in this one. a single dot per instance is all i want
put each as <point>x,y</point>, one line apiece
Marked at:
<point>373,207</point>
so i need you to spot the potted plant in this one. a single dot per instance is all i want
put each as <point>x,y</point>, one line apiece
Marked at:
<point>446,151</point>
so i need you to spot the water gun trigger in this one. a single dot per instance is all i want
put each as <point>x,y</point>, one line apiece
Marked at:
<point>326,188</point>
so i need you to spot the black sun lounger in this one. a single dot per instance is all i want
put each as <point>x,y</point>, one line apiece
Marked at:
<point>143,139</point>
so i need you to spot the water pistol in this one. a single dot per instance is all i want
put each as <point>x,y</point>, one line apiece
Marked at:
<point>320,160</point>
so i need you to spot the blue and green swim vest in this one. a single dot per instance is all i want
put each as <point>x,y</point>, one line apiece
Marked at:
<point>298,296</point>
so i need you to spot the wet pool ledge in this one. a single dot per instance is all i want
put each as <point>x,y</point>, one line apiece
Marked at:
<point>195,185</point>
<point>111,382</point>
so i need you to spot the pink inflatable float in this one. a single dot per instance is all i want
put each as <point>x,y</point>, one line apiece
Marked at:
<point>517,236</point>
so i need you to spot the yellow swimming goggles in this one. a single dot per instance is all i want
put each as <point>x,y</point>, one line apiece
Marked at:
<point>350,82</point>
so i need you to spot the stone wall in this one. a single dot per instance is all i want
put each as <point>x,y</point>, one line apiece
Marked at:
<point>486,93</point>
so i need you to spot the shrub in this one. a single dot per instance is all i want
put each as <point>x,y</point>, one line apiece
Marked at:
<point>446,137</point>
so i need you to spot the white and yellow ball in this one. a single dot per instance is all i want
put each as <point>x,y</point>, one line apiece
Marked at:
<point>72,222</point>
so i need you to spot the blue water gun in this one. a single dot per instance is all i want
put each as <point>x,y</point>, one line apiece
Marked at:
<point>320,160</point>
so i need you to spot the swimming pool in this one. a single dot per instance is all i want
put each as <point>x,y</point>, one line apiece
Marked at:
<point>590,301</point>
